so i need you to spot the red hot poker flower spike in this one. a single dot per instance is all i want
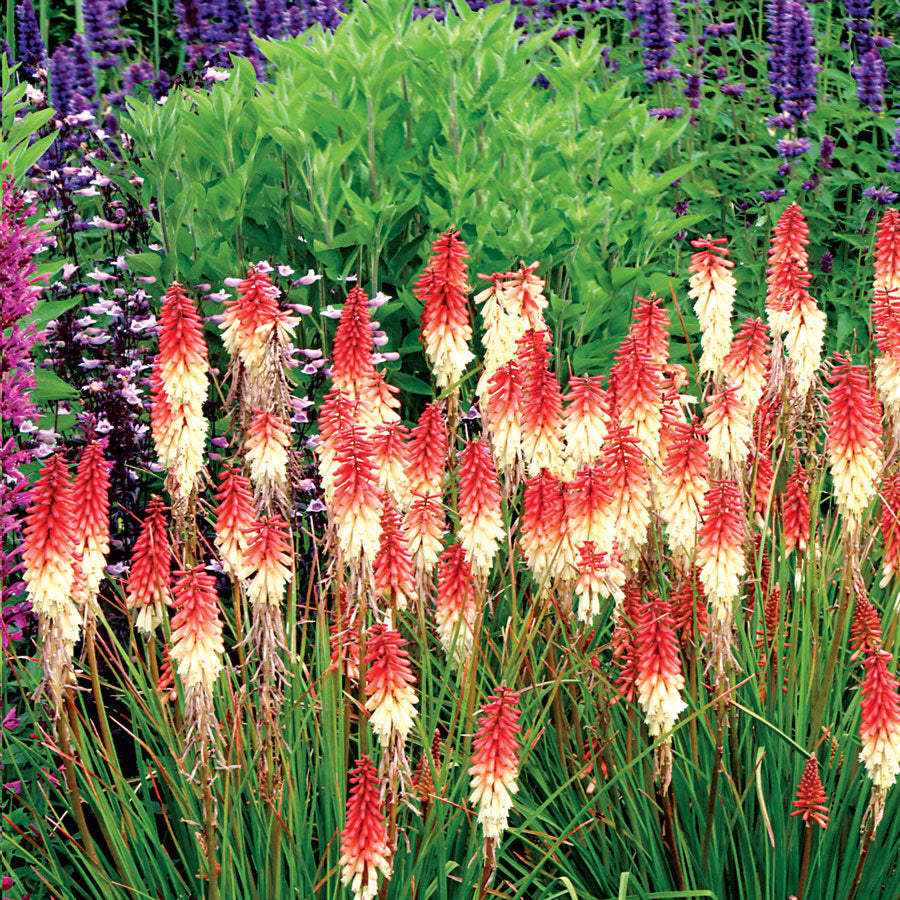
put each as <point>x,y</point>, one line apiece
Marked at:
<point>811,802</point>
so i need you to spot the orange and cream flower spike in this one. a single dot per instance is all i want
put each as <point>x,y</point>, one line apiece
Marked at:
<point>268,557</point>
<point>446,330</point>
<point>720,558</point>
<point>589,508</point>
<point>636,385</point>
<point>179,385</point>
<point>357,498</point>
<point>495,765</point>
<point>601,576</point>
<point>712,289</point>
<point>729,431</point>
<point>394,574</point>
<point>659,681</point>
<point>747,364</point>
<point>425,526</point>
<point>266,448</point>
<point>502,329</point>
<point>427,451</point>
<point>889,525</point>
<point>586,420</point>
<point>853,440</point>
<point>48,551</point>
<point>90,499</point>
<point>353,344</point>
<point>364,849</point>
<point>542,530</point>
<point>480,516</point>
<point>880,727</point>
<point>455,608</point>
<point>151,570</point>
<point>390,453</point>
<point>685,480</point>
<point>390,685</point>
<point>804,324</point>
<point>235,516</point>
<point>629,487</point>
<point>886,327</point>
<point>542,437</point>
<point>197,647</point>
<point>503,416</point>
<point>887,252</point>
<point>249,319</point>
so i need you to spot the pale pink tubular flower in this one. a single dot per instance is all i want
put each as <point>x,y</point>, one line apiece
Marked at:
<point>495,766</point>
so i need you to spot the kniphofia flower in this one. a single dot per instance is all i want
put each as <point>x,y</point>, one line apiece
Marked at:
<point>249,318</point>
<point>364,849</point>
<point>425,525</point>
<point>446,330</point>
<point>804,324</point>
<point>795,509</point>
<point>712,289</point>
<point>887,251</point>
<point>629,487</point>
<point>455,608</point>
<point>90,501</point>
<point>503,415</point>
<point>393,569</point>
<point>49,549</point>
<point>523,295</point>
<point>542,529</point>
<point>659,681</point>
<point>586,420</point>
<point>866,638</point>
<point>542,440</point>
<point>151,570</point>
<point>353,344</point>
<point>197,646</point>
<point>390,684</point>
<point>728,429</point>
<point>811,802</point>
<point>790,237</point>
<point>494,766</point>
<point>480,516</point>
<point>880,726</point>
<point>357,501</point>
<point>601,575</point>
<point>268,558</point>
<point>427,451</point>
<point>889,525</point>
<point>589,508</point>
<point>720,558</point>
<point>746,365</point>
<point>183,357</point>
<point>234,519</point>
<point>651,328</point>
<point>390,454</point>
<point>266,449</point>
<point>685,480</point>
<point>636,387</point>
<point>853,440</point>
<point>886,327</point>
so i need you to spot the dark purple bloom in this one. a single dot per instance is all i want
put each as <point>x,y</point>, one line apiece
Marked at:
<point>784,170</point>
<point>194,31</point>
<point>659,34</point>
<point>826,152</point>
<point>267,18</point>
<point>801,66</point>
<point>791,149</point>
<point>782,120</point>
<point>30,48</point>
<point>772,196</point>
<point>143,72</point>
<point>883,195</point>
<point>101,28</point>
<point>734,90</point>
<point>229,15</point>
<point>693,89</point>
<point>244,46</point>
<point>893,165</point>
<point>871,76</point>
<point>608,61</point>
<point>860,23</point>
<point>719,29</point>
<point>62,76</point>
<point>666,112</point>
<point>563,33</point>
<point>681,208</point>
<point>83,70</point>
<point>826,263</point>
<point>541,81</point>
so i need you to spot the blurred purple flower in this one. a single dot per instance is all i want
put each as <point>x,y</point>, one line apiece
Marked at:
<point>267,18</point>
<point>883,195</point>
<point>772,196</point>
<point>826,263</point>
<point>30,49</point>
<point>101,28</point>
<point>659,34</point>
<point>871,77</point>
<point>792,148</point>
<point>666,112</point>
